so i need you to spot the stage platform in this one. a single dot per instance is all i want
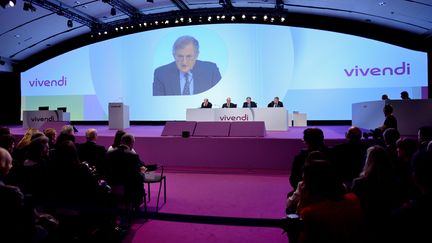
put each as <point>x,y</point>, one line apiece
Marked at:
<point>275,151</point>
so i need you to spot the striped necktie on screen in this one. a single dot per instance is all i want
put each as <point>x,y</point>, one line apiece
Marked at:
<point>186,90</point>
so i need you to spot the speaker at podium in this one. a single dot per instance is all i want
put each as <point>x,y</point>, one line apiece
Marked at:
<point>118,115</point>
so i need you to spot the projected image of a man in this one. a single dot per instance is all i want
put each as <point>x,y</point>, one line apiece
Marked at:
<point>186,75</point>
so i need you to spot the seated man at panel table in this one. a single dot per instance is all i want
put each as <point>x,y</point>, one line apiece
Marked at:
<point>249,103</point>
<point>206,104</point>
<point>275,103</point>
<point>228,104</point>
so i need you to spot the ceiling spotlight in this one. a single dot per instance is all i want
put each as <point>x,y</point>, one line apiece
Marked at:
<point>113,11</point>
<point>69,23</point>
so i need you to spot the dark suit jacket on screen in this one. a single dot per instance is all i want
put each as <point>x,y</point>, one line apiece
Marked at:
<point>209,105</point>
<point>271,104</point>
<point>167,81</point>
<point>253,104</point>
<point>232,105</point>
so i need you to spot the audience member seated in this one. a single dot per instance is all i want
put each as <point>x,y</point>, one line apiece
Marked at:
<point>21,146</point>
<point>378,191</point>
<point>5,131</point>
<point>124,168</point>
<point>410,222</point>
<point>51,135</point>
<point>424,137</point>
<point>249,103</point>
<point>206,104</point>
<point>406,148</point>
<point>229,104</point>
<point>314,141</point>
<point>293,200</point>
<point>384,97</point>
<point>91,152</point>
<point>391,136</point>
<point>349,157</point>
<point>31,177</point>
<point>117,139</point>
<point>7,142</point>
<point>17,220</point>
<point>80,200</point>
<point>275,103</point>
<point>328,213</point>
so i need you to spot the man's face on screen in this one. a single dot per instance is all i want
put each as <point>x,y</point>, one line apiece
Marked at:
<point>185,58</point>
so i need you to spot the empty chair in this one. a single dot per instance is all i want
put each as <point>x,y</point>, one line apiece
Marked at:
<point>150,178</point>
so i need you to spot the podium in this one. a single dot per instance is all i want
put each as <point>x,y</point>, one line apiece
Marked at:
<point>118,115</point>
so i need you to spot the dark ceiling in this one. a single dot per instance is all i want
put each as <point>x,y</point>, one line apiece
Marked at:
<point>35,30</point>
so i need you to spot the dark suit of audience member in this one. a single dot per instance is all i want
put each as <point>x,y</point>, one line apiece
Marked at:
<point>349,157</point>
<point>124,168</point>
<point>410,222</point>
<point>252,104</point>
<point>314,140</point>
<point>91,152</point>
<point>17,221</point>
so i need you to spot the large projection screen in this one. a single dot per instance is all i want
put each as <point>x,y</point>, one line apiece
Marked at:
<point>320,73</point>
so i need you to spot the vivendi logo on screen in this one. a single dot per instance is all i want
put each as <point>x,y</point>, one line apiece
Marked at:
<point>357,71</point>
<point>62,82</point>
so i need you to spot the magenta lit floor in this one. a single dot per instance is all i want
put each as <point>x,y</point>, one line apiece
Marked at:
<point>241,195</point>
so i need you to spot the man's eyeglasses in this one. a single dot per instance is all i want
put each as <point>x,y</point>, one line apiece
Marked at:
<point>187,58</point>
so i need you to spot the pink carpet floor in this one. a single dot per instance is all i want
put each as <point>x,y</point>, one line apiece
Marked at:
<point>241,194</point>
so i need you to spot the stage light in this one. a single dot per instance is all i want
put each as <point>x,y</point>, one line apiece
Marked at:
<point>113,11</point>
<point>176,21</point>
<point>243,16</point>
<point>282,19</point>
<point>209,18</point>
<point>69,23</point>
<point>233,18</point>
<point>222,2</point>
<point>253,17</point>
<point>265,17</point>
<point>5,3</point>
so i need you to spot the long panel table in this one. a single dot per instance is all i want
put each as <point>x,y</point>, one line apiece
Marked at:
<point>275,119</point>
<point>35,119</point>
